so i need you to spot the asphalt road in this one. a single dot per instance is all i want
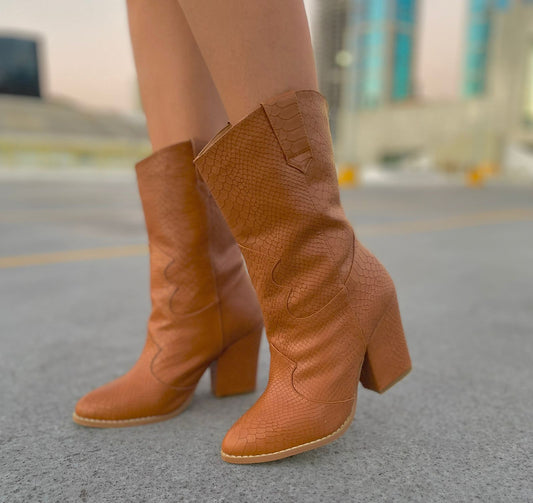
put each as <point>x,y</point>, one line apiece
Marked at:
<point>73,306</point>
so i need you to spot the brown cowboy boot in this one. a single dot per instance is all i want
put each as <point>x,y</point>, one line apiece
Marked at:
<point>330,307</point>
<point>204,309</point>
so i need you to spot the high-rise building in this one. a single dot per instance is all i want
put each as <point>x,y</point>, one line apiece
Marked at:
<point>328,30</point>
<point>403,33</point>
<point>364,52</point>
<point>477,44</point>
<point>384,42</point>
<point>477,47</point>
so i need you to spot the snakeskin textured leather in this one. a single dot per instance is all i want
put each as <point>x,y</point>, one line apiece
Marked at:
<point>203,304</point>
<point>321,292</point>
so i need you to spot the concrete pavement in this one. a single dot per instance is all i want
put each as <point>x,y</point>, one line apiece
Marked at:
<point>73,306</point>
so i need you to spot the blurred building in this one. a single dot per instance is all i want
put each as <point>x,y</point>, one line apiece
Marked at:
<point>49,133</point>
<point>364,49</point>
<point>328,28</point>
<point>39,132</point>
<point>510,83</point>
<point>384,50</point>
<point>19,67</point>
<point>381,119</point>
<point>477,47</point>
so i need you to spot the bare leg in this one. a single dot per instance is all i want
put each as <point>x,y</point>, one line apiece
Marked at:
<point>177,92</point>
<point>254,50</point>
<point>330,308</point>
<point>215,322</point>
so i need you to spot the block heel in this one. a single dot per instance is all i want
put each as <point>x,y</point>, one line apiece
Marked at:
<point>235,370</point>
<point>387,358</point>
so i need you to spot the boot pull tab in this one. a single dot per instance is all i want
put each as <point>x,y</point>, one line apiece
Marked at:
<point>288,126</point>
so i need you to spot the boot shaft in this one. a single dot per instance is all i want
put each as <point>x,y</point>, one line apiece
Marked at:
<point>197,273</point>
<point>176,219</point>
<point>273,175</point>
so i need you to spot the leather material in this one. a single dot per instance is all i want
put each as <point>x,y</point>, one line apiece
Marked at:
<point>322,293</point>
<point>202,298</point>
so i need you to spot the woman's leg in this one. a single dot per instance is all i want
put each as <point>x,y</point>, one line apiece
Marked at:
<point>254,50</point>
<point>215,320</point>
<point>178,95</point>
<point>330,307</point>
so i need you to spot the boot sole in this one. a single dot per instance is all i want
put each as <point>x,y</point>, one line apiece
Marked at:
<point>124,423</point>
<point>298,449</point>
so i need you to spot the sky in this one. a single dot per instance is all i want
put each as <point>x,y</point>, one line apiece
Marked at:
<point>440,42</point>
<point>86,56</point>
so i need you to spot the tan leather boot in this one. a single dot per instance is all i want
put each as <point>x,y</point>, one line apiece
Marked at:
<point>330,307</point>
<point>204,310</point>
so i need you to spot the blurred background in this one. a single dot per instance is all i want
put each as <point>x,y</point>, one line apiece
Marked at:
<point>426,85</point>
<point>420,88</point>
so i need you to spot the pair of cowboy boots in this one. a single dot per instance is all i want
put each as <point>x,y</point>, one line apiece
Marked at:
<point>329,306</point>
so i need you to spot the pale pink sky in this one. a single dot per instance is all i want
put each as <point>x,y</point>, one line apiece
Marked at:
<point>439,56</point>
<point>87,57</point>
<point>86,49</point>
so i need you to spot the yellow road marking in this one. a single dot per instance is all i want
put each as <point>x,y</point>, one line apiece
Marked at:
<point>448,223</point>
<point>393,228</point>
<point>73,256</point>
<point>55,214</point>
